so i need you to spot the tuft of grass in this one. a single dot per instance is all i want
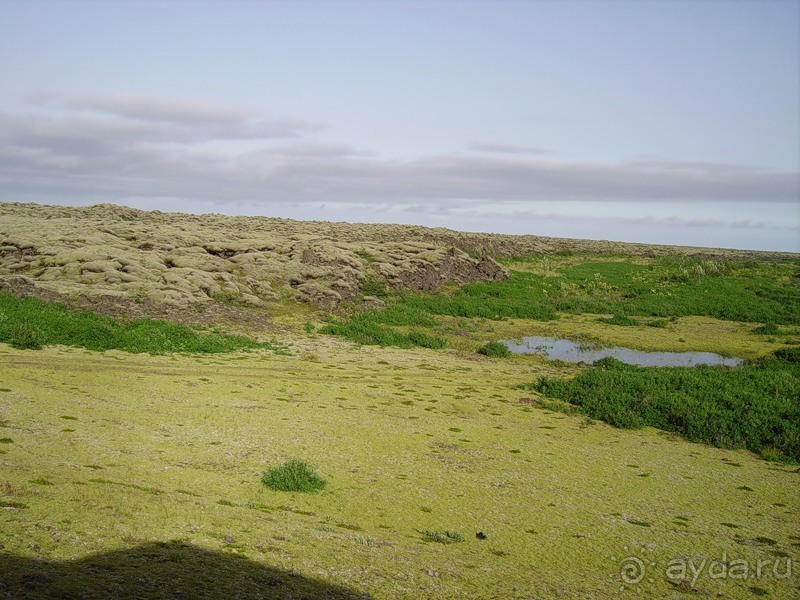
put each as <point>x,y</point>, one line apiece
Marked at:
<point>658,323</point>
<point>41,481</point>
<point>370,328</point>
<point>294,475</point>
<point>497,349</point>
<point>441,537</point>
<point>426,340</point>
<point>31,323</point>
<point>753,406</point>
<point>768,329</point>
<point>374,285</point>
<point>620,319</point>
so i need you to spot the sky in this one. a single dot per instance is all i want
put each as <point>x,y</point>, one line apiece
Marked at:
<point>663,122</point>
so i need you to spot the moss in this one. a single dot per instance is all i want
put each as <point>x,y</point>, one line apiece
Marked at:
<point>163,488</point>
<point>145,423</point>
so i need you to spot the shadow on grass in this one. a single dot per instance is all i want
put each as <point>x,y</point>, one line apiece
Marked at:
<point>158,570</point>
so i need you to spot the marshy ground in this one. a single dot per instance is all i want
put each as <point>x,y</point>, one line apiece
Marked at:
<point>112,452</point>
<point>138,475</point>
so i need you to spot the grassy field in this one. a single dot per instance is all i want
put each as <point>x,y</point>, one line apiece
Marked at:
<point>541,288</point>
<point>31,323</point>
<point>337,450</point>
<point>128,472</point>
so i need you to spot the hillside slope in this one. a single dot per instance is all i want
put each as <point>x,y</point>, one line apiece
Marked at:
<point>212,268</point>
<point>112,254</point>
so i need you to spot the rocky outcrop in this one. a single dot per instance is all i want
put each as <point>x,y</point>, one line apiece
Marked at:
<point>175,261</point>
<point>455,265</point>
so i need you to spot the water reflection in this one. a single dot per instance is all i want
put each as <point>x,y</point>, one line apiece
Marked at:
<point>573,352</point>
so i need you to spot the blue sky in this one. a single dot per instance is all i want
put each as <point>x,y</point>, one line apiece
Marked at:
<point>651,121</point>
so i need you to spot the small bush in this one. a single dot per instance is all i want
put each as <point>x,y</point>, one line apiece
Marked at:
<point>23,336</point>
<point>425,340</point>
<point>768,329</point>
<point>441,537</point>
<point>294,475</point>
<point>374,285</point>
<point>494,349</point>
<point>658,323</point>
<point>370,328</point>
<point>789,355</point>
<point>619,319</point>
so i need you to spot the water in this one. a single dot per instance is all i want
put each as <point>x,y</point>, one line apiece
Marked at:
<point>572,352</point>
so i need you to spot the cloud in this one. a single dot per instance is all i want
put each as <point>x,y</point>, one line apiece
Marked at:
<point>94,148</point>
<point>167,119</point>
<point>514,178</point>
<point>508,149</point>
<point>155,108</point>
<point>536,214</point>
<point>317,150</point>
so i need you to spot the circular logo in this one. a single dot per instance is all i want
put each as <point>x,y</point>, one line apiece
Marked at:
<point>631,570</point>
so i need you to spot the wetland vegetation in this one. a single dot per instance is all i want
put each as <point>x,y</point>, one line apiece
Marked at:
<point>542,287</point>
<point>755,406</point>
<point>31,323</point>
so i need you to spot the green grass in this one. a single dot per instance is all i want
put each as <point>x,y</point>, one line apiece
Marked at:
<point>620,319</point>
<point>441,537</point>
<point>561,508</point>
<point>521,296</point>
<point>30,323</point>
<point>294,475</point>
<point>755,406</point>
<point>494,349</point>
<point>747,291</point>
<point>374,285</point>
<point>768,329</point>
<point>370,328</point>
<point>665,288</point>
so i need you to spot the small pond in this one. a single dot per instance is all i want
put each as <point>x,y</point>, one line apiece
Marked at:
<point>573,352</point>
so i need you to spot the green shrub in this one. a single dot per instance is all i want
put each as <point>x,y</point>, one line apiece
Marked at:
<point>22,336</point>
<point>369,328</point>
<point>425,340</point>
<point>658,323</point>
<point>494,349</point>
<point>294,475</point>
<point>441,537</point>
<point>619,319</point>
<point>32,323</point>
<point>754,406</point>
<point>374,285</point>
<point>768,329</point>
<point>788,355</point>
